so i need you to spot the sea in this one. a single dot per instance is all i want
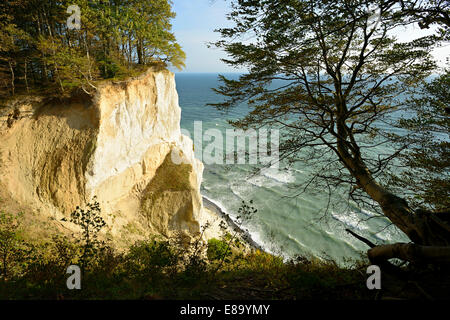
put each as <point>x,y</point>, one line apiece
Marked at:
<point>287,222</point>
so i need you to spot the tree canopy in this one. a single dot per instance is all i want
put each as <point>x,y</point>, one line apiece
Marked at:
<point>427,157</point>
<point>38,49</point>
<point>346,77</point>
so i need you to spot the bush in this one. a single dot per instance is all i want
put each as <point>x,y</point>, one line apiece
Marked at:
<point>13,249</point>
<point>218,249</point>
<point>154,253</point>
<point>167,269</point>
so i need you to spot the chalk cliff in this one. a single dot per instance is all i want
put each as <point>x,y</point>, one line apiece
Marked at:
<point>122,145</point>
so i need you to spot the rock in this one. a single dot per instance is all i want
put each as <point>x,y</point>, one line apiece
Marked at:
<point>123,145</point>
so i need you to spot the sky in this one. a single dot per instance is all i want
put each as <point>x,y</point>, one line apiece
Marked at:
<point>196,21</point>
<point>194,27</point>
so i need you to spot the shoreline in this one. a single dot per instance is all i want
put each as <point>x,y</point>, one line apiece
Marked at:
<point>243,234</point>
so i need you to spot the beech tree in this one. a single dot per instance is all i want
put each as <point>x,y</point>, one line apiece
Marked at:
<point>344,77</point>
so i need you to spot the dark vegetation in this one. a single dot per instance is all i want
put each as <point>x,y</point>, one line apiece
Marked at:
<point>160,268</point>
<point>117,38</point>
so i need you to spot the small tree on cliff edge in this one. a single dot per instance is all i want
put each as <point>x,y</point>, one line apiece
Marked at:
<point>90,222</point>
<point>345,75</point>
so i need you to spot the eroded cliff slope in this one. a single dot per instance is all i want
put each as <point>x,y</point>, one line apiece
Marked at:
<point>118,145</point>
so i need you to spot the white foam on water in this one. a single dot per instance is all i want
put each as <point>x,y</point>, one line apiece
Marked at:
<point>350,219</point>
<point>368,213</point>
<point>251,229</point>
<point>241,189</point>
<point>277,175</point>
<point>386,236</point>
<point>217,203</point>
<point>390,234</point>
<point>257,181</point>
<point>262,181</point>
<point>301,244</point>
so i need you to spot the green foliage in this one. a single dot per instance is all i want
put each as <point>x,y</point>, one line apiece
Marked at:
<point>154,254</point>
<point>427,156</point>
<point>174,268</point>
<point>12,247</point>
<point>217,249</point>
<point>38,50</point>
<point>108,66</point>
<point>311,278</point>
<point>159,269</point>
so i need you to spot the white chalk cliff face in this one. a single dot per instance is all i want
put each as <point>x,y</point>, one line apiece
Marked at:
<point>122,146</point>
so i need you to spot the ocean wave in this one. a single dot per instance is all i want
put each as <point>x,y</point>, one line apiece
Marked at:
<point>298,242</point>
<point>351,220</point>
<point>277,175</point>
<point>252,237</point>
<point>367,213</point>
<point>261,182</point>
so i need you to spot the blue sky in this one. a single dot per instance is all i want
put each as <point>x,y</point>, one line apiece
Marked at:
<point>194,26</point>
<point>195,23</point>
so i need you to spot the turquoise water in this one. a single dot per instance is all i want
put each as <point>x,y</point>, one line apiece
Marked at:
<point>285,223</point>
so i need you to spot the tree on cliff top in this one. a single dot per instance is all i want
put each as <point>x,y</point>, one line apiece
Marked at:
<point>39,49</point>
<point>345,76</point>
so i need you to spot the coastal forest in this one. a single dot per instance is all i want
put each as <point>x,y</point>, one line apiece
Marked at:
<point>40,49</point>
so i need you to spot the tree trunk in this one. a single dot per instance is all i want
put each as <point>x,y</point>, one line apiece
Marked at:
<point>422,229</point>
<point>409,252</point>
<point>25,75</point>
<point>431,236</point>
<point>129,51</point>
<point>12,77</point>
<point>139,52</point>
<point>88,56</point>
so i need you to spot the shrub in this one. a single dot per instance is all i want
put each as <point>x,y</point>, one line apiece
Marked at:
<point>13,249</point>
<point>217,249</point>
<point>154,253</point>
